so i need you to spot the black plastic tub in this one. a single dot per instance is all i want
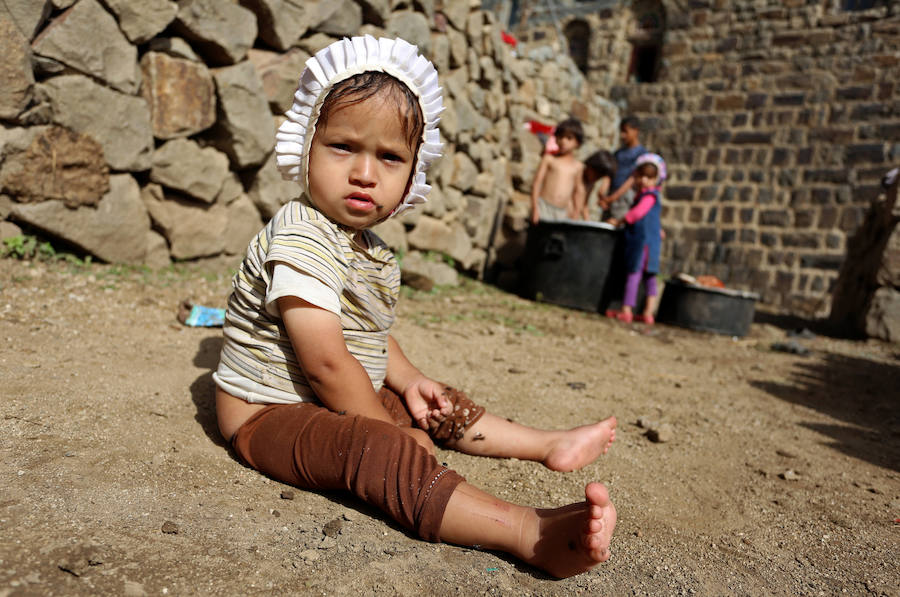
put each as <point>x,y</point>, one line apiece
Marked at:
<point>571,264</point>
<point>697,307</point>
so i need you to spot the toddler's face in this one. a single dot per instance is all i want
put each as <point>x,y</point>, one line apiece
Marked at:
<point>646,177</point>
<point>360,163</point>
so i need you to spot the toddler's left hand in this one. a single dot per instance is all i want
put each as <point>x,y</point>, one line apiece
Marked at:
<point>426,402</point>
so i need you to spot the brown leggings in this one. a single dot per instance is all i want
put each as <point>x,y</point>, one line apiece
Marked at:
<point>311,447</point>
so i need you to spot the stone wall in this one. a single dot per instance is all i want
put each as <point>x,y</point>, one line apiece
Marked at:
<point>141,131</point>
<point>777,119</point>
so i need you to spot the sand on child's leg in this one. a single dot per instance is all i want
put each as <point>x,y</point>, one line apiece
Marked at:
<point>560,541</point>
<point>559,450</point>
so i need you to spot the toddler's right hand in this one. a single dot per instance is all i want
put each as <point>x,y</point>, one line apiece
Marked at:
<point>426,402</point>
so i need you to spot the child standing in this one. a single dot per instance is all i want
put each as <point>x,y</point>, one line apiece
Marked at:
<point>599,168</point>
<point>313,390</point>
<point>622,197</point>
<point>557,192</point>
<point>643,236</point>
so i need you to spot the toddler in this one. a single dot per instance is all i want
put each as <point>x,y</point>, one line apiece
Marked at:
<point>314,391</point>
<point>599,168</point>
<point>643,236</point>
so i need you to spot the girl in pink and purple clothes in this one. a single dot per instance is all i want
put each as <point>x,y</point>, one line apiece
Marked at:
<point>643,237</point>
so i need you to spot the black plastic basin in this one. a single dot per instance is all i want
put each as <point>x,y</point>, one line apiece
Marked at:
<point>572,264</point>
<point>718,310</point>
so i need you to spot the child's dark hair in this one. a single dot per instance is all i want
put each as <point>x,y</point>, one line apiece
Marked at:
<point>630,122</point>
<point>571,126</point>
<point>365,85</point>
<point>653,170</point>
<point>602,163</point>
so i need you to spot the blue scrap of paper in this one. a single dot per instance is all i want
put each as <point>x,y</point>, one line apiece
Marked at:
<point>205,317</point>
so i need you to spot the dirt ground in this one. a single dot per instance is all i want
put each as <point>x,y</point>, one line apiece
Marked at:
<point>780,473</point>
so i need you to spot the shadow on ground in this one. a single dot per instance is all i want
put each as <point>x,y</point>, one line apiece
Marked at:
<point>862,393</point>
<point>203,388</point>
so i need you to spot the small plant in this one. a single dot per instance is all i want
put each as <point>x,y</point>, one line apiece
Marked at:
<point>26,246</point>
<point>20,246</point>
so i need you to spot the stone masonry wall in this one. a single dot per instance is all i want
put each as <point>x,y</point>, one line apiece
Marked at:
<point>777,119</point>
<point>141,131</point>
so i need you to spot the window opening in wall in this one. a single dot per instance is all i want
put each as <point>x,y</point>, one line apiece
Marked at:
<point>857,4</point>
<point>578,36</point>
<point>644,64</point>
<point>646,37</point>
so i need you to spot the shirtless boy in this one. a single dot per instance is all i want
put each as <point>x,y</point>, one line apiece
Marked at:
<point>558,189</point>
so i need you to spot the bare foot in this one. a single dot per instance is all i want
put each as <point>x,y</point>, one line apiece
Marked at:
<point>575,538</point>
<point>581,446</point>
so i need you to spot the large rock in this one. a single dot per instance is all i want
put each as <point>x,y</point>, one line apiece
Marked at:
<point>6,205</point>
<point>338,18</point>
<point>157,251</point>
<point>436,205</point>
<point>883,318</point>
<point>50,162</point>
<point>440,52</point>
<point>28,15</point>
<point>463,173</point>
<point>456,11</point>
<point>434,235</point>
<point>411,26</point>
<point>182,165</point>
<point>141,21</point>
<point>466,117</point>
<point>221,31</point>
<point>393,233</point>
<point>480,217</point>
<point>525,157</point>
<point>119,122</point>
<point>889,272</point>
<point>245,130</point>
<point>430,271</point>
<point>243,224</point>
<point>281,22</point>
<point>232,189</point>
<point>180,93</point>
<point>116,230</point>
<point>87,39</point>
<point>16,76</point>
<point>280,74</point>
<point>192,230</point>
<point>458,48</point>
<point>9,230</point>
<point>269,191</point>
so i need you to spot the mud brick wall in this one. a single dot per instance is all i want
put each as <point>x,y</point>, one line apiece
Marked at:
<point>777,120</point>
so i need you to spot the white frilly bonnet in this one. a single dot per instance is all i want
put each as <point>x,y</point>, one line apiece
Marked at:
<point>339,61</point>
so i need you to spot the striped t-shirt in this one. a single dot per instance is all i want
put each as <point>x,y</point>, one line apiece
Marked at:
<point>364,275</point>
